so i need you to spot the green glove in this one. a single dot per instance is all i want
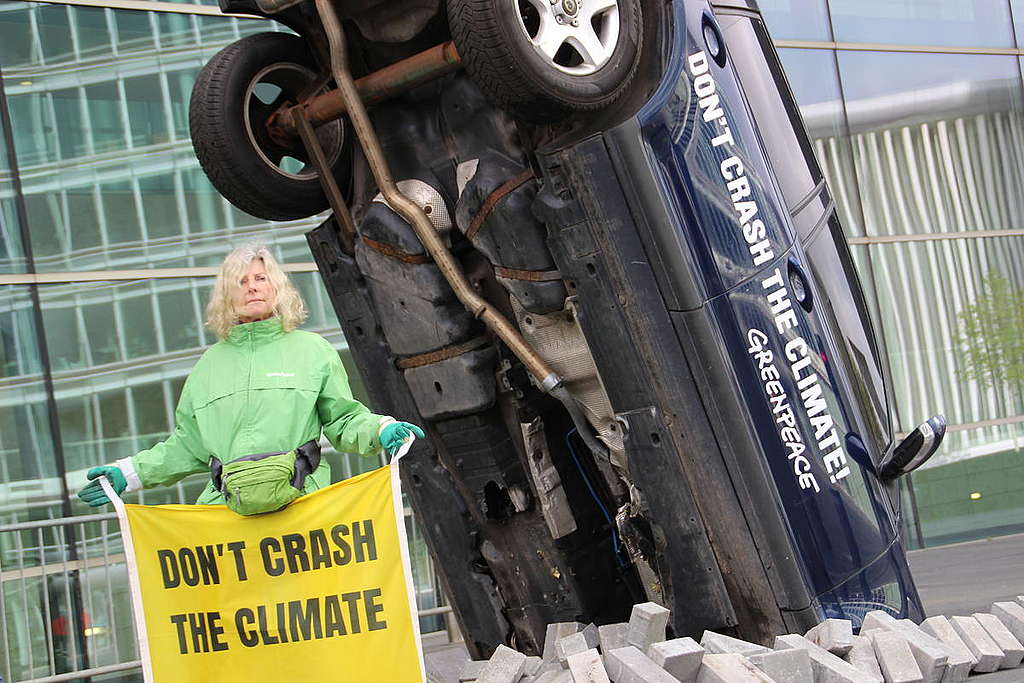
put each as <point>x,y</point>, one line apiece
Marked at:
<point>397,433</point>
<point>92,493</point>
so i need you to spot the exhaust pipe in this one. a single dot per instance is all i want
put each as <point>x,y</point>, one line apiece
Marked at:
<point>546,378</point>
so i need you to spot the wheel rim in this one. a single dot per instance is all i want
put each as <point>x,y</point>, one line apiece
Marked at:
<point>267,91</point>
<point>576,37</point>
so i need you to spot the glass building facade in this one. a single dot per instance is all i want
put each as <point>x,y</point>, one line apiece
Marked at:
<point>915,109</point>
<point>109,234</point>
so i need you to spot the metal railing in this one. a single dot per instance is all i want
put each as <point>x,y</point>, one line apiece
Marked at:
<point>65,607</point>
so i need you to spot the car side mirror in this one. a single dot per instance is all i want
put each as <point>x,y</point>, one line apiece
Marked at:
<point>915,449</point>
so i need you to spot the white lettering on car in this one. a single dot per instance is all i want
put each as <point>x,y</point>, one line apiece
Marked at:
<point>797,354</point>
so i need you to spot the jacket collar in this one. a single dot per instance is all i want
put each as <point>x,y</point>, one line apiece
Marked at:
<point>259,332</point>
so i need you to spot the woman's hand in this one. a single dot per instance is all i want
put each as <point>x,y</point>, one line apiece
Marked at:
<point>92,493</point>
<point>397,433</point>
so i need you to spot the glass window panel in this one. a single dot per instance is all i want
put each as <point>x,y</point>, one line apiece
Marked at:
<point>146,114</point>
<point>92,31</point>
<point>202,201</point>
<point>980,23</point>
<point>797,19</point>
<point>101,332</point>
<point>82,218</point>
<point>180,87</point>
<point>53,26</point>
<point>936,147</point>
<point>12,256</point>
<point>26,448</point>
<point>1017,10</point>
<point>178,317</point>
<point>175,29</point>
<point>120,212</point>
<point>161,206</point>
<point>134,31</point>
<point>72,132</point>
<point>971,488</point>
<point>115,427</point>
<point>16,48</point>
<point>105,121</point>
<point>46,225</point>
<point>140,338</point>
<point>35,134</point>
<point>63,336</point>
<point>925,293</point>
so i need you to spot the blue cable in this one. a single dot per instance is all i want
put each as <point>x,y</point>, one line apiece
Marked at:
<point>593,493</point>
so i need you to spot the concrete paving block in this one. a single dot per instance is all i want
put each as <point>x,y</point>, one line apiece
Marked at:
<point>894,657</point>
<point>556,632</point>
<point>532,666</point>
<point>827,667</point>
<point>472,670</point>
<point>1020,600</point>
<point>647,625</point>
<point>789,666</point>
<point>612,637</point>
<point>961,660</point>
<point>862,655</point>
<point>730,668</point>
<point>504,666</point>
<point>554,676</point>
<point>833,635</point>
<point>591,634</point>
<point>979,642</point>
<point>958,667</point>
<point>718,644</point>
<point>1013,651</point>
<point>1012,615</point>
<point>680,657</point>
<point>630,665</point>
<point>570,645</point>
<point>587,667</point>
<point>931,656</point>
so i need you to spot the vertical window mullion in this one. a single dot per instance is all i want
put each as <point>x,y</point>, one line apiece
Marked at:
<point>158,323</point>
<point>133,422</point>
<point>87,127</point>
<point>76,44</point>
<point>122,108</point>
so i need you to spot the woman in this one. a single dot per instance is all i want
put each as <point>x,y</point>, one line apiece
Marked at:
<point>252,409</point>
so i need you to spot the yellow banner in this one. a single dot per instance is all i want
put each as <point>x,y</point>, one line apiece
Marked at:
<point>320,591</point>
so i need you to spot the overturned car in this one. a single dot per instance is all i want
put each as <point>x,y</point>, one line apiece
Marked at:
<point>587,245</point>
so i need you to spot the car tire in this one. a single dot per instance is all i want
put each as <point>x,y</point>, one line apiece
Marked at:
<point>531,60</point>
<point>231,102</point>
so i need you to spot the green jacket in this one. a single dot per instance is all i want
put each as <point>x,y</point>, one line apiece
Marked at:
<point>258,391</point>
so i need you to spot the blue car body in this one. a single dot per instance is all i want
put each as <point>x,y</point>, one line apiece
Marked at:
<point>751,246</point>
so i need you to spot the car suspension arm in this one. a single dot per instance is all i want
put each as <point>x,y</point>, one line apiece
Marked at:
<point>546,378</point>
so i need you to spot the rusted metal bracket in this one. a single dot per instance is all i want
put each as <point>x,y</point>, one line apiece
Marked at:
<point>378,86</point>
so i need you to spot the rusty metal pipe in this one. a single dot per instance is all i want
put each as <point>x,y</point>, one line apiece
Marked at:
<point>546,377</point>
<point>376,87</point>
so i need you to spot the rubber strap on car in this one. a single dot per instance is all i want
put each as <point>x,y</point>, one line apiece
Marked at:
<point>394,252</point>
<point>492,201</point>
<point>447,352</point>
<point>527,275</point>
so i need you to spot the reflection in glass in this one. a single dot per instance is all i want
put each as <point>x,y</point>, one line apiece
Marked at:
<point>99,108</point>
<point>936,148</point>
<point>923,290</point>
<point>796,19</point>
<point>29,487</point>
<point>978,23</point>
<point>977,493</point>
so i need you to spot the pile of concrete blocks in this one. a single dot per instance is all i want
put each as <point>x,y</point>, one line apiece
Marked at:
<point>887,650</point>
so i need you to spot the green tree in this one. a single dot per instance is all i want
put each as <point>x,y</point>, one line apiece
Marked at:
<point>992,334</point>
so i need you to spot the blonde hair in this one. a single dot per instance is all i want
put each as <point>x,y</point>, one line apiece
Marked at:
<point>220,310</point>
